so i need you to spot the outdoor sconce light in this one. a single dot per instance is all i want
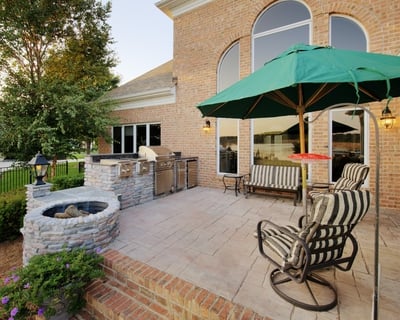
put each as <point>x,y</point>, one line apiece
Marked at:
<point>39,166</point>
<point>207,126</point>
<point>387,119</point>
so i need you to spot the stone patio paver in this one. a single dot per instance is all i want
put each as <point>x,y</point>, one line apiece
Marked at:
<point>206,237</point>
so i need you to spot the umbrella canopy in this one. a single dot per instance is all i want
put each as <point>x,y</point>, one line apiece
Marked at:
<point>308,78</point>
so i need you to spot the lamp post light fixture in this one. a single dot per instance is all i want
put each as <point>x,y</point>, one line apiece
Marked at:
<point>39,166</point>
<point>387,119</point>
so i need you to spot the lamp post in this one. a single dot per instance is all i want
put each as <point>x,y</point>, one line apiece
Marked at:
<point>39,166</point>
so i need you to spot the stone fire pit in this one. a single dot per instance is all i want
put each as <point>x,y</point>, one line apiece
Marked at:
<point>43,233</point>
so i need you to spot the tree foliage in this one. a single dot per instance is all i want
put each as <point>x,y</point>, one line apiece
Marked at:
<point>56,66</point>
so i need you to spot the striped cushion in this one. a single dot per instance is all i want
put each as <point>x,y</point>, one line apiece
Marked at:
<point>287,176</point>
<point>333,216</point>
<point>352,178</point>
<point>261,175</point>
<point>355,171</point>
<point>346,184</point>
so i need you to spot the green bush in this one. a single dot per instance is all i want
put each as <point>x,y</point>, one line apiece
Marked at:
<point>67,182</point>
<point>12,212</point>
<point>49,284</point>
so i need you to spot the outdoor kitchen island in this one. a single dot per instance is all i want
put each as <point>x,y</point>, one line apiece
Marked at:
<point>141,177</point>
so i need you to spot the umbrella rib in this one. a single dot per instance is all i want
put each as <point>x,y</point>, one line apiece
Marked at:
<point>366,92</point>
<point>215,109</point>
<point>250,110</point>
<point>323,90</point>
<point>280,97</point>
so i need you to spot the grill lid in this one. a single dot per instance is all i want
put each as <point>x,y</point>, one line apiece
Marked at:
<point>152,153</point>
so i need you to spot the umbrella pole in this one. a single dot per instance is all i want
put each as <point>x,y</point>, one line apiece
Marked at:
<point>303,165</point>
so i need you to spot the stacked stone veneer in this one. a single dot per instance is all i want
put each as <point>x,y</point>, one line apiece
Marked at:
<point>44,234</point>
<point>131,190</point>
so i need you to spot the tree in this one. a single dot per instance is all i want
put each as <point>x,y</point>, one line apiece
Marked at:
<point>56,62</point>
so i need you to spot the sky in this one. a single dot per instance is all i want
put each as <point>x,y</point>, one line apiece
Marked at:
<point>143,37</point>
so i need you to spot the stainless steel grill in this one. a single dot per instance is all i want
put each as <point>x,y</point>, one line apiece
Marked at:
<point>164,181</point>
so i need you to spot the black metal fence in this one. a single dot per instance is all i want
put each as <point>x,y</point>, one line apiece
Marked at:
<point>18,175</point>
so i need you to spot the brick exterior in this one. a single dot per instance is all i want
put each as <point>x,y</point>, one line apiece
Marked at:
<point>134,290</point>
<point>201,37</point>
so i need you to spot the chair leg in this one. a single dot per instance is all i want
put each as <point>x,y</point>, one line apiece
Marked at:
<point>303,294</point>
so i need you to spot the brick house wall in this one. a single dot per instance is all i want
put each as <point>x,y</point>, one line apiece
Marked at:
<point>201,37</point>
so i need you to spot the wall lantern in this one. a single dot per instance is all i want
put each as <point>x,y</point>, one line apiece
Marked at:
<point>387,119</point>
<point>207,126</point>
<point>39,166</point>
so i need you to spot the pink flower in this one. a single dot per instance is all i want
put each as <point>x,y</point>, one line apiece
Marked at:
<point>40,312</point>
<point>14,312</point>
<point>5,300</point>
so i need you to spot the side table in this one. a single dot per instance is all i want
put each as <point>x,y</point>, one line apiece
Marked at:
<point>229,184</point>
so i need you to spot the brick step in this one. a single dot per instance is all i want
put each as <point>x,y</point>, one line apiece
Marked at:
<point>109,299</point>
<point>134,290</point>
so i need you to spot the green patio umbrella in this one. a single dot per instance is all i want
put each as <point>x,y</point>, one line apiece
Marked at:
<point>307,78</point>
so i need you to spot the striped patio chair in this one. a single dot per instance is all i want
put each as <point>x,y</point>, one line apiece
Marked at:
<point>299,254</point>
<point>352,178</point>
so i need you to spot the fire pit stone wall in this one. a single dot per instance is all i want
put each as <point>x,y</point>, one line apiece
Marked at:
<point>45,234</point>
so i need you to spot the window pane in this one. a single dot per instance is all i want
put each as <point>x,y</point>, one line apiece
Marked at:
<point>117,135</point>
<point>229,68</point>
<point>281,14</point>
<point>128,139</point>
<point>140,135</point>
<point>270,46</point>
<point>346,34</point>
<point>347,127</point>
<point>228,145</point>
<point>155,134</point>
<point>275,139</point>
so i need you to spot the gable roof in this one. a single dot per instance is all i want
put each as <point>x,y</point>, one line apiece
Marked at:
<point>152,81</point>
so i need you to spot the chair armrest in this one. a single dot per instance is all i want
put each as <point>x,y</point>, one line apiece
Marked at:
<point>260,238</point>
<point>321,185</point>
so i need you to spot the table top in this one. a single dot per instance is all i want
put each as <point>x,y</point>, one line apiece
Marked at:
<point>233,175</point>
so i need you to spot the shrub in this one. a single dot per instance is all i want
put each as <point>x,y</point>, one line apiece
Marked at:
<point>49,284</point>
<point>67,182</point>
<point>12,212</point>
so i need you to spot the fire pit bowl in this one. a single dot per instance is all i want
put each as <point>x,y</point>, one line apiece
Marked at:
<point>43,233</point>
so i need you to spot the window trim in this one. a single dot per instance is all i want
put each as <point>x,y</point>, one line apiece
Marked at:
<point>135,147</point>
<point>218,126</point>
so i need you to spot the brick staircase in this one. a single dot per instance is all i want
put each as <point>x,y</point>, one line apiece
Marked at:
<point>134,290</point>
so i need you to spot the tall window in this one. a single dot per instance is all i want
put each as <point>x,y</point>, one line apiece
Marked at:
<point>348,128</point>
<point>128,138</point>
<point>228,146</point>
<point>279,27</point>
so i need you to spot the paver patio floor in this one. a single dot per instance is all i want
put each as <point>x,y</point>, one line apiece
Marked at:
<point>205,236</point>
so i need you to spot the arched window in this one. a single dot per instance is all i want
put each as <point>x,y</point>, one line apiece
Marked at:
<point>228,144</point>
<point>348,128</point>
<point>279,27</point>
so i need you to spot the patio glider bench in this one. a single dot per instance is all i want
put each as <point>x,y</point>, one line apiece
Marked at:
<point>277,179</point>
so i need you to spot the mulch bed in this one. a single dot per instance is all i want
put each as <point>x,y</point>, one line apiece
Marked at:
<point>10,256</point>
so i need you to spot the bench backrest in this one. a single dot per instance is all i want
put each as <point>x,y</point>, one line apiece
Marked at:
<point>264,175</point>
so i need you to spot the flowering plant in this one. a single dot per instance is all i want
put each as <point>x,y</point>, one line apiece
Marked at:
<point>49,283</point>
